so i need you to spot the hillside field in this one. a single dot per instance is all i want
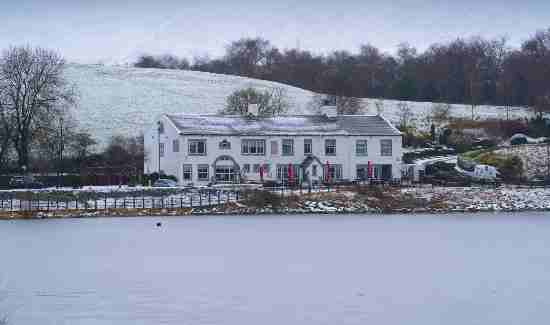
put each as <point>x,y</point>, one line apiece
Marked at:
<point>121,100</point>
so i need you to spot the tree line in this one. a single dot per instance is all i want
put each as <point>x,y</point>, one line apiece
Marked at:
<point>470,71</point>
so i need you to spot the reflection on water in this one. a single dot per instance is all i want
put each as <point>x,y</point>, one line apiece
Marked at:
<point>458,269</point>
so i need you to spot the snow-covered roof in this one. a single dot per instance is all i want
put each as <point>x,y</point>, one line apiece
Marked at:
<point>283,125</point>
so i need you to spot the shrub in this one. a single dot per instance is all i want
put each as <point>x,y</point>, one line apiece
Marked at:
<point>518,141</point>
<point>261,199</point>
<point>155,176</point>
<point>511,169</point>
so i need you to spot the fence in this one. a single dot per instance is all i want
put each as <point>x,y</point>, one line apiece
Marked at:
<point>37,201</point>
<point>89,200</point>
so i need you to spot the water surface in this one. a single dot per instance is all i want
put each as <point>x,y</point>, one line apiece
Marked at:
<point>423,269</point>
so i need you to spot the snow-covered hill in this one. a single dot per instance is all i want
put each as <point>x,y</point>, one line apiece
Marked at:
<point>122,100</point>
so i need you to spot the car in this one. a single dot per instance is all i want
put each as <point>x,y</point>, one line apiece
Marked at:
<point>165,183</point>
<point>25,182</point>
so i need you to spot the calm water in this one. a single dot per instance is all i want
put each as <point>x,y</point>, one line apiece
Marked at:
<point>460,269</point>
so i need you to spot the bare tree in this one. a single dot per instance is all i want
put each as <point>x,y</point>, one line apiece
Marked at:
<point>440,113</point>
<point>405,114</point>
<point>34,92</point>
<point>270,102</point>
<point>248,54</point>
<point>6,129</point>
<point>53,137</point>
<point>81,145</point>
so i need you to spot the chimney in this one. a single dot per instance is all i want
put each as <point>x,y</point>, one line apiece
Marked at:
<point>253,110</point>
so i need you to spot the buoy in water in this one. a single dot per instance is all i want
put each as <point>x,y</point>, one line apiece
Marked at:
<point>159,224</point>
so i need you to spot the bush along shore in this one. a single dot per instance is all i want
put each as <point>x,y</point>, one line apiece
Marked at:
<point>361,200</point>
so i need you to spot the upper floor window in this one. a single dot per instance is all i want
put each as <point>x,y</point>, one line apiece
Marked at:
<point>253,147</point>
<point>330,147</point>
<point>385,147</point>
<point>176,145</point>
<point>308,147</point>
<point>361,148</point>
<point>161,149</point>
<point>225,145</point>
<point>288,147</point>
<point>197,147</point>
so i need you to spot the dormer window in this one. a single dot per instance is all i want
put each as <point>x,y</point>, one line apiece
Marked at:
<point>225,145</point>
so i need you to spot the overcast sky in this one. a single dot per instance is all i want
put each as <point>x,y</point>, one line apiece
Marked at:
<point>91,31</point>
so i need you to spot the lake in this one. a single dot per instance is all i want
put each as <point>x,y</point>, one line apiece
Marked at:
<point>414,269</point>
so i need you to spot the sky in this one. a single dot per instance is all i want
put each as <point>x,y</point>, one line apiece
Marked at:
<point>115,31</point>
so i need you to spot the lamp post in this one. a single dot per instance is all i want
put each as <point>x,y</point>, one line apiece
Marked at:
<point>159,131</point>
<point>60,152</point>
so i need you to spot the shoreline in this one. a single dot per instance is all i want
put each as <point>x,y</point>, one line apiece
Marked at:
<point>371,200</point>
<point>175,214</point>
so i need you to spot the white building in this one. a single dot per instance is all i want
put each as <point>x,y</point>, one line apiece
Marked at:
<point>202,149</point>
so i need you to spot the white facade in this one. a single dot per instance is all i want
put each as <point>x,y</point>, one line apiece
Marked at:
<point>246,161</point>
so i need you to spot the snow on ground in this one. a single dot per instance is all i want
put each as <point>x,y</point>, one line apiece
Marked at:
<point>122,100</point>
<point>509,198</point>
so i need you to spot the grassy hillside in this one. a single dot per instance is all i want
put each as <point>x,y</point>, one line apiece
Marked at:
<point>121,100</point>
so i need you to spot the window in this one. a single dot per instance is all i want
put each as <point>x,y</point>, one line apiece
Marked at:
<point>256,168</point>
<point>226,174</point>
<point>253,147</point>
<point>202,172</point>
<point>288,147</point>
<point>197,147</point>
<point>161,149</point>
<point>361,148</point>
<point>187,172</point>
<point>282,172</point>
<point>362,172</point>
<point>314,170</point>
<point>308,147</point>
<point>246,168</point>
<point>330,147</point>
<point>385,147</point>
<point>176,145</point>
<point>225,145</point>
<point>334,172</point>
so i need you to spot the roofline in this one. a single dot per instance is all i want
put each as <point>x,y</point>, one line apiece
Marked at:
<point>292,135</point>
<point>266,117</point>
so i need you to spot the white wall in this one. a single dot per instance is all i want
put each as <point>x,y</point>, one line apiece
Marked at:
<point>172,162</point>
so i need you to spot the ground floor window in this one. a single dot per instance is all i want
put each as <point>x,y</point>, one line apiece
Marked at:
<point>383,172</point>
<point>333,172</point>
<point>226,174</point>
<point>187,172</point>
<point>362,172</point>
<point>283,172</point>
<point>202,172</point>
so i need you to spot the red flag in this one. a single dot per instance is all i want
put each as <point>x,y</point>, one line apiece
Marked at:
<point>262,173</point>
<point>289,172</point>
<point>327,174</point>
<point>369,169</point>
